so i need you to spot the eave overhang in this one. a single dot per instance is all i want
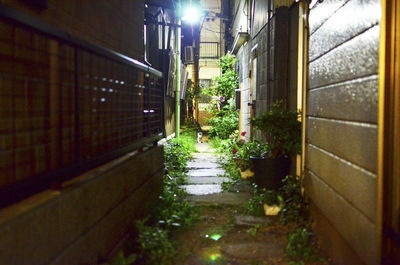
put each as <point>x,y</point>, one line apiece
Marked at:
<point>240,39</point>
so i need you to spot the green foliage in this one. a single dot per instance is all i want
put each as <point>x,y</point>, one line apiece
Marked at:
<point>224,123</point>
<point>254,230</point>
<point>225,118</point>
<point>282,130</point>
<point>300,248</point>
<point>155,246</point>
<point>192,92</point>
<point>225,84</point>
<point>215,143</point>
<point>188,137</point>
<point>289,197</point>
<point>173,210</point>
<point>175,155</point>
<point>255,206</point>
<point>244,150</point>
<point>293,205</point>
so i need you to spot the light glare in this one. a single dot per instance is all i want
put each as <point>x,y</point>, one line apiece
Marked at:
<point>191,15</point>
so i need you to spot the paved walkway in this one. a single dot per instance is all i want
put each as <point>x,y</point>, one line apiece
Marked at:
<point>205,174</point>
<point>224,234</point>
<point>206,177</point>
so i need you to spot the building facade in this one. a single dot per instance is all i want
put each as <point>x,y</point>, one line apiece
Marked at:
<point>327,62</point>
<point>79,119</point>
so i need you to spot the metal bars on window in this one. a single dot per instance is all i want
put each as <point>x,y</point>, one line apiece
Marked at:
<point>209,50</point>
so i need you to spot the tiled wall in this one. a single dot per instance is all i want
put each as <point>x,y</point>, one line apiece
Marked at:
<point>341,134</point>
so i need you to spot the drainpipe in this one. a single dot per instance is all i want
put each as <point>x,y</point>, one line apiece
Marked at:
<point>178,73</point>
<point>269,79</point>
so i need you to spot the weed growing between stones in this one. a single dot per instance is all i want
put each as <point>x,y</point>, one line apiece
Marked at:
<point>301,247</point>
<point>255,206</point>
<point>224,148</point>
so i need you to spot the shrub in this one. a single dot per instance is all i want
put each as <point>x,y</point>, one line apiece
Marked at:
<point>224,123</point>
<point>282,130</point>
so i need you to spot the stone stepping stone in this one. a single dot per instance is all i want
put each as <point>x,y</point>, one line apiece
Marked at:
<point>228,198</point>
<point>255,250</point>
<point>202,189</point>
<point>249,220</point>
<point>205,155</point>
<point>207,180</point>
<point>204,148</point>
<point>210,172</point>
<point>202,164</point>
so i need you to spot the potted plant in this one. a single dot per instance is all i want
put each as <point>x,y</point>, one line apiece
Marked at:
<point>282,131</point>
<point>242,153</point>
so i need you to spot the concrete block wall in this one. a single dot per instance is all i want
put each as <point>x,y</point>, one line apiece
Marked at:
<point>244,114</point>
<point>85,219</point>
<point>116,25</point>
<point>276,87</point>
<point>341,149</point>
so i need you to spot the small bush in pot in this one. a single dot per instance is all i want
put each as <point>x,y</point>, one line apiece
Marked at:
<point>281,128</point>
<point>282,131</point>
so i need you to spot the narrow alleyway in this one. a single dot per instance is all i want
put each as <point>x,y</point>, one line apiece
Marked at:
<point>224,234</point>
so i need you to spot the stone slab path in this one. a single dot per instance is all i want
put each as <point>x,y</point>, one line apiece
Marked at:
<point>222,234</point>
<point>225,234</point>
<point>205,174</point>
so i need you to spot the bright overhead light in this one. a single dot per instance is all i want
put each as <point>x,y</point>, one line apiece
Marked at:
<point>191,14</point>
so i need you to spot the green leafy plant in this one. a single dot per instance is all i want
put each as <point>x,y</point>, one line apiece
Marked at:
<point>155,245</point>
<point>224,123</point>
<point>192,92</point>
<point>281,128</point>
<point>300,247</point>
<point>293,204</point>
<point>173,210</point>
<point>244,150</point>
<point>175,155</point>
<point>255,206</point>
<point>225,84</point>
<point>254,230</point>
<point>225,118</point>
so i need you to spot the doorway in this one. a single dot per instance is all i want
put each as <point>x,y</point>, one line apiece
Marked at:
<point>253,87</point>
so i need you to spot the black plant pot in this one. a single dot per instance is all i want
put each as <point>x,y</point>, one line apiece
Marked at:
<point>269,172</point>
